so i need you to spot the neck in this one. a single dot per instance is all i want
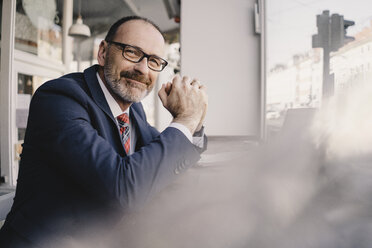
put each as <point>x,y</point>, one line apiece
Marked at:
<point>124,105</point>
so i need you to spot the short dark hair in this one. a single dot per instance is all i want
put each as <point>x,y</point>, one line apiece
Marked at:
<point>113,29</point>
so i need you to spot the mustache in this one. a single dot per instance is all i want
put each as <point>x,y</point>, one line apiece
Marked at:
<point>136,76</point>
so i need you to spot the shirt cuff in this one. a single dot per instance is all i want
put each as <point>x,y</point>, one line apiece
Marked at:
<point>198,138</point>
<point>183,129</point>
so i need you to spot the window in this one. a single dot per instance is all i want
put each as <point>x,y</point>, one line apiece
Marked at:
<point>38,29</point>
<point>292,40</point>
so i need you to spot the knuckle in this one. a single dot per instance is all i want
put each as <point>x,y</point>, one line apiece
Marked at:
<point>195,82</point>
<point>186,79</point>
<point>176,79</point>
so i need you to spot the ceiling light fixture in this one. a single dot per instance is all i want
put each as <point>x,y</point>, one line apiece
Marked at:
<point>79,30</point>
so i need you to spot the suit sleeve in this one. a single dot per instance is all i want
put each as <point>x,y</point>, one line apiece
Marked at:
<point>60,132</point>
<point>200,134</point>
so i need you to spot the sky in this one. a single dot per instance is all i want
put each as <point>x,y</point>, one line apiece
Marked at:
<point>291,23</point>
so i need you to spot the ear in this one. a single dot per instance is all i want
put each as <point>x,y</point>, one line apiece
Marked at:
<point>102,53</point>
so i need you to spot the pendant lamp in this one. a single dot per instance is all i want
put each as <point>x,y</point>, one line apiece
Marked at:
<point>79,29</point>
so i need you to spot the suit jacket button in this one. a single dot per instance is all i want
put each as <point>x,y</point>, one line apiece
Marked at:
<point>177,171</point>
<point>184,165</point>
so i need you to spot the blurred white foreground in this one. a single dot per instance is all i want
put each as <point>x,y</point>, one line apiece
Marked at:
<point>311,186</point>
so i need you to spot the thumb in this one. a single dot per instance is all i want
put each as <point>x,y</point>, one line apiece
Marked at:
<point>163,95</point>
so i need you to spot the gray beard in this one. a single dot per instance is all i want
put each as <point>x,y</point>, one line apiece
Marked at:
<point>123,90</point>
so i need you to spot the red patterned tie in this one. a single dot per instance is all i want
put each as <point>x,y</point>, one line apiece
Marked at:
<point>123,121</point>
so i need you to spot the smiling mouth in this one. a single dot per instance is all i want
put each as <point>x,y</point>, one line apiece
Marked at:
<point>134,81</point>
<point>136,84</point>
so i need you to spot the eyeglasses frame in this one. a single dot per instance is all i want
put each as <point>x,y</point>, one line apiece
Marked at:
<point>145,55</point>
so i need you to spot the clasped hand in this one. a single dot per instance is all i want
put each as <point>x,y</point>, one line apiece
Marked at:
<point>187,101</point>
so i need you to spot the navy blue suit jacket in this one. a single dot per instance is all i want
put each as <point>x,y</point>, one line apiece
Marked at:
<point>74,171</point>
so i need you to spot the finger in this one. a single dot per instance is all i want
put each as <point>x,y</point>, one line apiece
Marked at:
<point>176,82</point>
<point>163,95</point>
<point>168,88</point>
<point>203,87</point>
<point>186,80</point>
<point>195,82</point>
<point>176,78</point>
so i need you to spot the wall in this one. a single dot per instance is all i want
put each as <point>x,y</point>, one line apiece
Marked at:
<point>219,47</point>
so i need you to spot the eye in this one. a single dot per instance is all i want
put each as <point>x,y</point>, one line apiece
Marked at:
<point>132,52</point>
<point>155,62</point>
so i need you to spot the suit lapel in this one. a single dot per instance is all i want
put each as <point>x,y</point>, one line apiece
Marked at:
<point>96,91</point>
<point>142,130</point>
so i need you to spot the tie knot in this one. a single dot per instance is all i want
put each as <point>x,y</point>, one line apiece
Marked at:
<point>123,118</point>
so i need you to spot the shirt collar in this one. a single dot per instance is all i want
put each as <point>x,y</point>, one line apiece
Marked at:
<point>114,106</point>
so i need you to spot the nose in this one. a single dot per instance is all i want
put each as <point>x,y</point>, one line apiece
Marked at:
<point>142,66</point>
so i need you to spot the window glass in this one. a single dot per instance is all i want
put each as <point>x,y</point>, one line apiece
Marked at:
<point>38,28</point>
<point>299,73</point>
<point>27,84</point>
<point>1,18</point>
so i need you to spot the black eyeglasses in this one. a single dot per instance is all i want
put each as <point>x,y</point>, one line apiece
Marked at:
<point>135,54</point>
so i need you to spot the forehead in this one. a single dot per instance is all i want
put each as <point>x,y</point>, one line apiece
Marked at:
<point>141,34</point>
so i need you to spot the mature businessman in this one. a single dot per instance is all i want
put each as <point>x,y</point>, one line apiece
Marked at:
<point>89,155</point>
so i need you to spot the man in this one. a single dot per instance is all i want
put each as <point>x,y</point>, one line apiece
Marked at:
<point>89,154</point>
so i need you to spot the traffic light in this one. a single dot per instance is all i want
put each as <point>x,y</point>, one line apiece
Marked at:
<point>338,32</point>
<point>331,31</point>
<point>331,36</point>
<point>321,39</point>
<point>347,24</point>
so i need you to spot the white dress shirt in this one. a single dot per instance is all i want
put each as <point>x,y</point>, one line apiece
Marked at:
<point>116,111</point>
